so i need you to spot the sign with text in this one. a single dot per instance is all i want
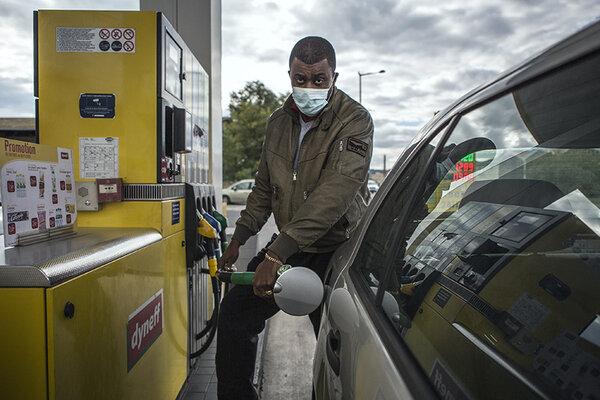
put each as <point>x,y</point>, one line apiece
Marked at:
<point>37,188</point>
<point>144,326</point>
<point>95,40</point>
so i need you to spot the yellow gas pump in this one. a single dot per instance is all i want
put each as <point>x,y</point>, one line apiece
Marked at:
<point>111,308</point>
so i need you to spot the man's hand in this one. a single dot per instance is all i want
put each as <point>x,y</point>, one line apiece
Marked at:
<point>265,276</point>
<point>230,256</point>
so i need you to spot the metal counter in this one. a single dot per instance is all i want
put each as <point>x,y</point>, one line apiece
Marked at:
<point>49,263</point>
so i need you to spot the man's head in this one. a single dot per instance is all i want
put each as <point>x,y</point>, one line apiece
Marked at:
<point>312,66</point>
<point>313,49</point>
<point>312,63</point>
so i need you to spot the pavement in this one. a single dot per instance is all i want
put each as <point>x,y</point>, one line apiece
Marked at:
<point>285,350</point>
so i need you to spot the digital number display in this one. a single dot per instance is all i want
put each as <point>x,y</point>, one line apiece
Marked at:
<point>459,175</point>
<point>465,168</point>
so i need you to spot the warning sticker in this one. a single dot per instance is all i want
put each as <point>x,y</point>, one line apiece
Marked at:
<point>95,40</point>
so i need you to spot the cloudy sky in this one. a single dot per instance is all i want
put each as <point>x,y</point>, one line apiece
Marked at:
<point>432,51</point>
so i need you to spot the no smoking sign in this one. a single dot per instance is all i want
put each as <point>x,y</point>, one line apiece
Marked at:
<point>128,46</point>
<point>107,40</point>
<point>113,40</point>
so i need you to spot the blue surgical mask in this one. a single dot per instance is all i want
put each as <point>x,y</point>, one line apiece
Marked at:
<point>310,101</point>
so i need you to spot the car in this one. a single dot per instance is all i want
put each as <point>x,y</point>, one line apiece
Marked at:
<point>474,272</point>
<point>238,192</point>
<point>372,186</point>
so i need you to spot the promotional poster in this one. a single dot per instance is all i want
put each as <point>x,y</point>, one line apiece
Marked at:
<point>38,188</point>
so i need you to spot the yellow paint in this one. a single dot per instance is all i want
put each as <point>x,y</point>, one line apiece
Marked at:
<point>168,228</point>
<point>22,344</point>
<point>131,77</point>
<point>135,214</point>
<point>126,214</point>
<point>88,354</point>
<point>431,338</point>
<point>523,274</point>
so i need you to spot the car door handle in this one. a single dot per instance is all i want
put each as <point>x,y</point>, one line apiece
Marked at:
<point>333,351</point>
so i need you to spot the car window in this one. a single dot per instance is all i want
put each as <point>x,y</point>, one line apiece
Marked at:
<point>242,186</point>
<point>494,288</point>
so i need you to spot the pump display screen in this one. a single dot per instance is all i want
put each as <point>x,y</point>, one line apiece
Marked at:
<point>464,168</point>
<point>173,67</point>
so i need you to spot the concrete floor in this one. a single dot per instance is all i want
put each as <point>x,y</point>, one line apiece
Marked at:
<point>288,357</point>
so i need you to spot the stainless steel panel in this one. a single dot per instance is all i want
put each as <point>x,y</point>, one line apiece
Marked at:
<point>49,263</point>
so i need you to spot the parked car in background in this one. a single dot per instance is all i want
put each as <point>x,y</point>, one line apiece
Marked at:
<point>372,186</point>
<point>238,192</point>
<point>474,273</point>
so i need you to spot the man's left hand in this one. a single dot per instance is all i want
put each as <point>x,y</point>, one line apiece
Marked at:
<point>265,277</point>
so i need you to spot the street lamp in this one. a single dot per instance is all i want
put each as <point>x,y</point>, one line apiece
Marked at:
<point>360,75</point>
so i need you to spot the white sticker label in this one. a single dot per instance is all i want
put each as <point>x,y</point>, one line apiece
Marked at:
<point>528,311</point>
<point>95,40</point>
<point>98,158</point>
<point>104,189</point>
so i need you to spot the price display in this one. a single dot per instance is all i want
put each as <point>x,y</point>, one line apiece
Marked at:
<point>464,168</point>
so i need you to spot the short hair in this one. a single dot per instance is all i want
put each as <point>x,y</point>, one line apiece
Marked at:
<point>312,49</point>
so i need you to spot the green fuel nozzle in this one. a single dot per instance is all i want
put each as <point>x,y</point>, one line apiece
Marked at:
<point>244,278</point>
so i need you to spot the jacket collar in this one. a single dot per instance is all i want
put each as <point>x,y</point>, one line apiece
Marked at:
<point>325,116</point>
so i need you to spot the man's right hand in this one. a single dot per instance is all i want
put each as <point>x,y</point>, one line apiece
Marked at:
<point>230,256</point>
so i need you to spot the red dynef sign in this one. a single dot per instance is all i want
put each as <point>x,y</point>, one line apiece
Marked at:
<point>143,327</point>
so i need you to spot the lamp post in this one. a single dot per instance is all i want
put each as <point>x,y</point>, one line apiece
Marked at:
<point>360,75</point>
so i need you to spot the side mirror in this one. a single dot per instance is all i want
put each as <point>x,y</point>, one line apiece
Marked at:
<point>298,291</point>
<point>234,188</point>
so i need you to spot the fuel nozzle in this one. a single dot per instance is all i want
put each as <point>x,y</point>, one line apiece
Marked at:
<point>224,223</point>
<point>208,228</point>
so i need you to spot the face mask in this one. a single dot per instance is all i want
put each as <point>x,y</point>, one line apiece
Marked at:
<point>310,101</point>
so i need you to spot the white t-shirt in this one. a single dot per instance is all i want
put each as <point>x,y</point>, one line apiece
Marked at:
<point>304,127</point>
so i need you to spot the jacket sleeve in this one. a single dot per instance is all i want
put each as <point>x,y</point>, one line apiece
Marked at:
<point>258,205</point>
<point>346,170</point>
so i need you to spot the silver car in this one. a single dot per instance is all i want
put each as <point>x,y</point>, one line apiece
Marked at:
<point>475,272</point>
<point>238,192</point>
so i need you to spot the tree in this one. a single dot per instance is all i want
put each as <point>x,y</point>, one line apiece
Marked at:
<point>244,131</point>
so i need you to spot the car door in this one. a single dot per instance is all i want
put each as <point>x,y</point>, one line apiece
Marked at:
<point>244,191</point>
<point>238,193</point>
<point>352,360</point>
<point>480,275</point>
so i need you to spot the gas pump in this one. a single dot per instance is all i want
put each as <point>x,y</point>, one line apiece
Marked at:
<point>112,306</point>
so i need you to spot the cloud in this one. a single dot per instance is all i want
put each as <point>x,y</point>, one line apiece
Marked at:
<point>433,52</point>
<point>13,101</point>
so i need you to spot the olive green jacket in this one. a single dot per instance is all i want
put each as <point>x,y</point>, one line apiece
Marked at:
<point>318,205</point>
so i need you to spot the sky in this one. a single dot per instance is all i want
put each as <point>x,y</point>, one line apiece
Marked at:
<point>432,52</point>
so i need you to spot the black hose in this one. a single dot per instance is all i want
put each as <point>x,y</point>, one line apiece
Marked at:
<point>212,322</point>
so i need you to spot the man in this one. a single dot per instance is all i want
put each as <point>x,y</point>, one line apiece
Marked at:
<point>312,176</point>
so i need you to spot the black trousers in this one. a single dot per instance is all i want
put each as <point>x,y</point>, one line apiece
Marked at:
<point>241,318</point>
